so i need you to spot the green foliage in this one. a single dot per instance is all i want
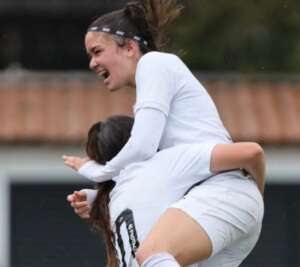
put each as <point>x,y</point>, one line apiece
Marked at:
<point>242,36</point>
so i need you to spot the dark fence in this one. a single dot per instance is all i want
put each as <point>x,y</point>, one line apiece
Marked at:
<point>45,232</point>
<point>56,7</point>
<point>47,35</point>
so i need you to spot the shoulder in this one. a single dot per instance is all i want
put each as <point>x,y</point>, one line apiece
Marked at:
<point>154,58</point>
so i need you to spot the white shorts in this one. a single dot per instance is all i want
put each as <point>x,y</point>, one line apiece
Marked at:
<point>230,208</point>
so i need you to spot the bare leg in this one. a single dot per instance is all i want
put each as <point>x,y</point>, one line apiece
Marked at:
<point>178,234</point>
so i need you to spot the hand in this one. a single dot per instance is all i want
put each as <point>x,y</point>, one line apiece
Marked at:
<point>74,162</point>
<point>78,201</point>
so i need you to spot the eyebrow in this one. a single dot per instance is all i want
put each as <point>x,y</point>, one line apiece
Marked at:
<point>94,48</point>
<point>91,50</point>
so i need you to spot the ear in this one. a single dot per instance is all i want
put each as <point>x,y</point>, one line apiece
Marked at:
<point>132,48</point>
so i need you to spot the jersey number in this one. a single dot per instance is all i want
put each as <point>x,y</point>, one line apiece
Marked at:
<point>126,217</point>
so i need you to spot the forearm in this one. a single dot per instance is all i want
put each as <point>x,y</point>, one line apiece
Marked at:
<point>142,145</point>
<point>144,141</point>
<point>247,155</point>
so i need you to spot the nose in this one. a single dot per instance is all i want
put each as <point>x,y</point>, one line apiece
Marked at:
<point>93,64</point>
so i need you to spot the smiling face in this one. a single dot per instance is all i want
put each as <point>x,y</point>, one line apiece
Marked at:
<point>115,63</point>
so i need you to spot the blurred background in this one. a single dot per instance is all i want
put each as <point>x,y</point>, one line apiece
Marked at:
<point>246,53</point>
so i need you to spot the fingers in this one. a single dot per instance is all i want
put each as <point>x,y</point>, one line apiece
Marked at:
<point>79,204</point>
<point>82,209</point>
<point>80,196</point>
<point>71,198</point>
<point>74,162</point>
<point>75,197</point>
<point>83,212</point>
<point>69,161</point>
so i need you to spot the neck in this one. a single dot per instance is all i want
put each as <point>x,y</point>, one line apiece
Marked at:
<point>134,67</point>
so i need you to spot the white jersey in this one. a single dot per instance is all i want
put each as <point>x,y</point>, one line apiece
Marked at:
<point>228,205</point>
<point>164,82</point>
<point>172,105</point>
<point>148,188</point>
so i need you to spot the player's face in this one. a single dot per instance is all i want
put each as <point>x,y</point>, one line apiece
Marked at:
<point>114,63</point>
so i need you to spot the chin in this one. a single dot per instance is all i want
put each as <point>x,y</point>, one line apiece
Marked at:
<point>113,88</point>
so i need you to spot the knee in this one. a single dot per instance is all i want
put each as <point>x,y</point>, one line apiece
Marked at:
<point>143,253</point>
<point>148,249</point>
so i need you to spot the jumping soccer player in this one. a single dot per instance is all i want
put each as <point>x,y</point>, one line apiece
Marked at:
<point>172,108</point>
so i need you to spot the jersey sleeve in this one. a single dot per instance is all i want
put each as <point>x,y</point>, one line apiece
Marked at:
<point>192,162</point>
<point>91,195</point>
<point>143,144</point>
<point>97,172</point>
<point>155,82</point>
<point>200,157</point>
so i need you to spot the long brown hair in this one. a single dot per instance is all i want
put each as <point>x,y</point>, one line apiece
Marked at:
<point>105,140</point>
<point>145,19</point>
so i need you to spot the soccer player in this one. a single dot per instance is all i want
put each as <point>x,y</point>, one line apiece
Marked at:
<point>231,213</point>
<point>172,107</point>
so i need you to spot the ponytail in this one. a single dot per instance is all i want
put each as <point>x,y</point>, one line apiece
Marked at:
<point>100,221</point>
<point>137,13</point>
<point>143,21</point>
<point>159,15</point>
<point>105,140</point>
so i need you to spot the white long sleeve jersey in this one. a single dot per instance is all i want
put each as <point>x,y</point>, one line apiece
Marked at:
<point>172,108</point>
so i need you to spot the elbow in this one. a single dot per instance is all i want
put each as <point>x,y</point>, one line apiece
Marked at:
<point>257,165</point>
<point>255,151</point>
<point>255,155</point>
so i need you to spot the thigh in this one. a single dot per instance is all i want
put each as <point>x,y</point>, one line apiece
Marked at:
<point>178,234</point>
<point>210,218</point>
<point>227,210</point>
<point>234,254</point>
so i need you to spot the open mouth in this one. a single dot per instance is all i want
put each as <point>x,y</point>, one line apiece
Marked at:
<point>105,74</point>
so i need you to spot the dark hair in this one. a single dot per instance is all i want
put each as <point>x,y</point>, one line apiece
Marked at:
<point>105,140</point>
<point>144,19</point>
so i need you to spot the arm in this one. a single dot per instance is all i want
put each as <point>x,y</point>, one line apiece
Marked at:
<point>154,93</point>
<point>143,144</point>
<point>247,155</point>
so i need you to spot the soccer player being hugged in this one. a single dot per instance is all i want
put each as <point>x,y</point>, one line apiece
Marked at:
<point>172,108</point>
